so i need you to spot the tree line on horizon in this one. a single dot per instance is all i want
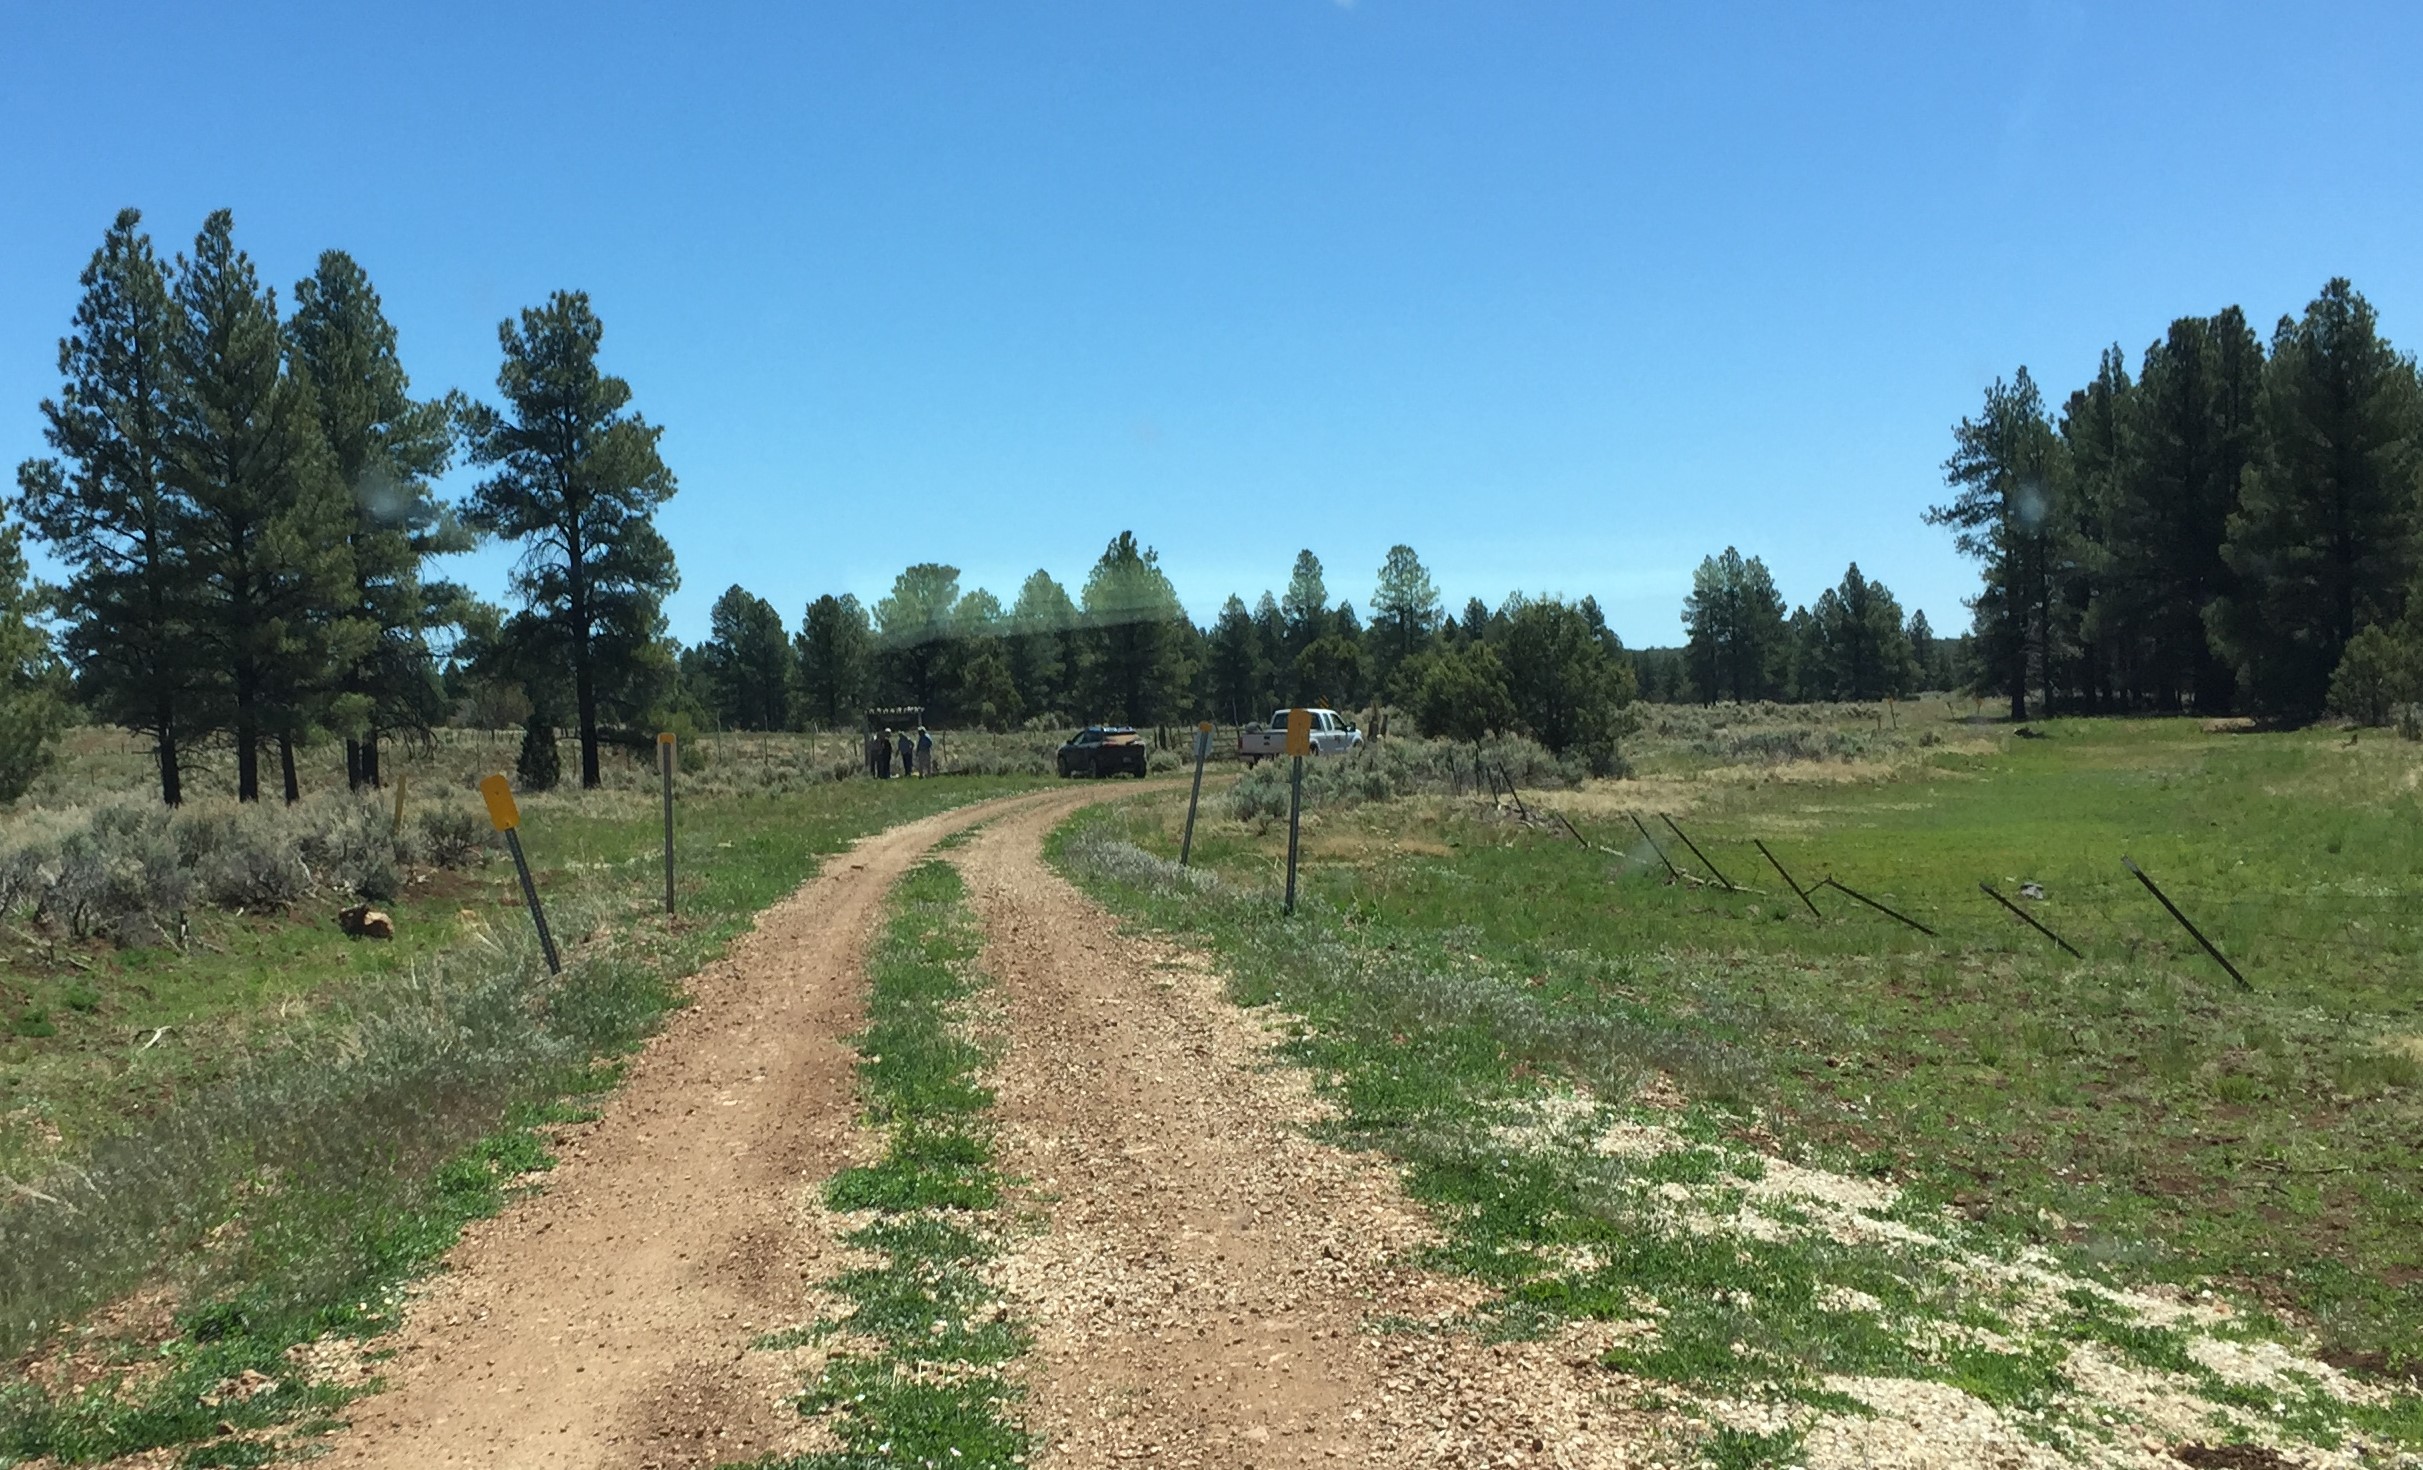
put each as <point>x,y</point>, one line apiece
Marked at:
<point>243,501</point>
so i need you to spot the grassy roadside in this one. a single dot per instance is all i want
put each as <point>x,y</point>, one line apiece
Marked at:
<point>2092,1201</point>
<point>285,1197</point>
<point>916,1344</point>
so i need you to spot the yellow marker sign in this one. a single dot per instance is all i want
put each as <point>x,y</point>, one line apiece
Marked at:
<point>664,737</point>
<point>1299,732</point>
<point>498,793</point>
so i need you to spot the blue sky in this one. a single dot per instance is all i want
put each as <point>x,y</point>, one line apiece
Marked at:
<point>1564,295</point>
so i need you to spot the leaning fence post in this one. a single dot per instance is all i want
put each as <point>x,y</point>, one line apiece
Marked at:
<point>1837,886</point>
<point>2024,917</point>
<point>1695,852</point>
<point>1653,847</point>
<point>1798,891</point>
<point>2209,947</point>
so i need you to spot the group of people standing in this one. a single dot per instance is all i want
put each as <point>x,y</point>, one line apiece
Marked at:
<point>914,755</point>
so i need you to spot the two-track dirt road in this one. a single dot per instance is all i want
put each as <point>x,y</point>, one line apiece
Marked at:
<point>1201,1293</point>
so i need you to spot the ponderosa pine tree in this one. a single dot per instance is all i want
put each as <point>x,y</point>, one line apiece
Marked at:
<point>577,480</point>
<point>1405,614</point>
<point>33,712</point>
<point>2325,536</point>
<point>2006,465</point>
<point>267,542</point>
<point>836,652</point>
<point>2095,450</point>
<point>2190,433</point>
<point>106,509</point>
<point>1304,606</point>
<point>1043,646</point>
<point>747,663</point>
<point>1236,670</point>
<point>1137,636</point>
<point>386,448</point>
<point>1863,652</point>
<point>912,636</point>
<point>1735,621</point>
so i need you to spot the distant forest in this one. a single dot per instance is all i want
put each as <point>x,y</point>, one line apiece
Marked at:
<point>242,500</point>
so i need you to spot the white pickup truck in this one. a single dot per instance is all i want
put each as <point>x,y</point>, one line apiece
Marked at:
<point>1332,734</point>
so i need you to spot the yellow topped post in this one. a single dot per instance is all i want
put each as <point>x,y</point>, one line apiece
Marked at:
<point>507,818</point>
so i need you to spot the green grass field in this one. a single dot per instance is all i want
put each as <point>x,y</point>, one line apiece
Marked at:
<point>2134,1115</point>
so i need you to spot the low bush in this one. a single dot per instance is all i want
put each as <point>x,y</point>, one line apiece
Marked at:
<point>128,871</point>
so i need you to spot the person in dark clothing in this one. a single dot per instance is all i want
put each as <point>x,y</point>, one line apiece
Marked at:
<point>872,754</point>
<point>883,756</point>
<point>925,752</point>
<point>908,755</point>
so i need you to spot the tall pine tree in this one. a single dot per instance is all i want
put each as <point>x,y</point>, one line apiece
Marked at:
<point>2007,467</point>
<point>836,651</point>
<point>2324,540</point>
<point>107,510</point>
<point>268,544</point>
<point>386,447</point>
<point>576,481</point>
<point>748,662</point>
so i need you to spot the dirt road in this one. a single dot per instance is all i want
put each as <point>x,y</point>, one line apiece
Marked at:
<point>1206,1291</point>
<point>1202,1294</point>
<point>606,1321</point>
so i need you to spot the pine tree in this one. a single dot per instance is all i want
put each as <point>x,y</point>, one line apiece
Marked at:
<point>1405,614</point>
<point>1137,636</point>
<point>747,663</point>
<point>2189,432</point>
<point>539,766</point>
<point>1862,650</point>
<point>33,712</point>
<point>1735,621</point>
<point>836,660</point>
<point>386,447</point>
<point>107,509</point>
<point>1305,605</point>
<point>2006,464</point>
<point>1460,693</point>
<point>2325,536</point>
<point>577,481</point>
<point>984,692</point>
<point>2095,443</point>
<point>1568,689</point>
<point>1237,669</point>
<point>1043,644</point>
<point>912,636</point>
<point>268,542</point>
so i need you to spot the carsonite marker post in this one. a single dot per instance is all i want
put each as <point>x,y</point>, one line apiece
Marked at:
<point>507,818</point>
<point>1203,741</point>
<point>1299,745</point>
<point>664,760</point>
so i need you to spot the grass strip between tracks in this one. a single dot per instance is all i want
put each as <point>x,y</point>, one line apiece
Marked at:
<point>260,1231</point>
<point>918,1336</point>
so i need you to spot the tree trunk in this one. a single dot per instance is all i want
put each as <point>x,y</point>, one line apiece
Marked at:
<point>370,760</point>
<point>248,749</point>
<point>584,690</point>
<point>172,779</point>
<point>294,788</point>
<point>353,764</point>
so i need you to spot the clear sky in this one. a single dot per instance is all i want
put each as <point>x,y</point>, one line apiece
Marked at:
<point>1564,295</point>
